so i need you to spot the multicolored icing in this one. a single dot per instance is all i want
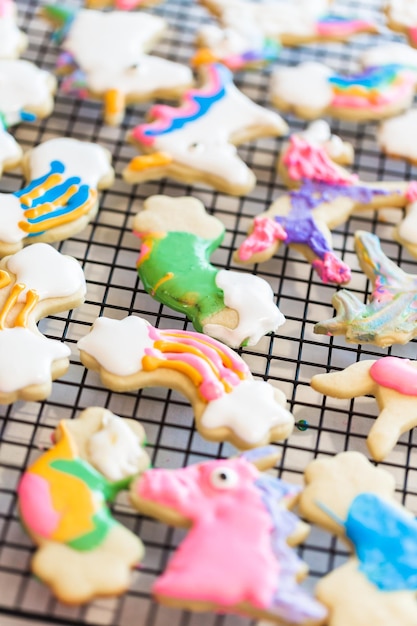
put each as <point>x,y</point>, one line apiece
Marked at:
<point>177,239</point>
<point>28,360</point>
<point>104,56</point>
<point>60,198</point>
<point>312,89</point>
<point>198,137</point>
<point>393,382</point>
<point>12,40</point>
<point>326,196</point>
<point>349,496</point>
<point>63,499</point>
<point>26,91</point>
<point>391,314</point>
<point>240,525</point>
<point>227,401</point>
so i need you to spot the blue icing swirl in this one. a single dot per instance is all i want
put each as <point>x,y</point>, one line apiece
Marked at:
<point>370,78</point>
<point>385,538</point>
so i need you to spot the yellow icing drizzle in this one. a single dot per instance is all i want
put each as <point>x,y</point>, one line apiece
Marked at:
<point>146,161</point>
<point>52,181</point>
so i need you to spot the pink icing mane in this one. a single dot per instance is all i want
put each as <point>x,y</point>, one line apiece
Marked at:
<point>236,550</point>
<point>310,161</point>
<point>395,373</point>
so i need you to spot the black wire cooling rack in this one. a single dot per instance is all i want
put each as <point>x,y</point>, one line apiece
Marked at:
<point>108,250</point>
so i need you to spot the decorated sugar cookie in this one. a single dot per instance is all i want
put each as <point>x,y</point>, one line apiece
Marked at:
<point>35,282</point>
<point>402,17</point>
<point>349,496</point>
<point>228,403</point>
<point>196,141</point>
<point>61,195</point>
<point>236,556</point>
<point>10,151</point>
<point>326,195</point>
<point>12,41</point>
<point>63,498</point>
<point>382,89</point>
<point>104,57</point>
<point>391,313</point>
<point>393,382</point>
<point>177,239</point>
<point>26,91</point>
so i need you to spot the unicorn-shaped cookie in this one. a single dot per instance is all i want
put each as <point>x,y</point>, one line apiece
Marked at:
<point>34,283</point>
<point>348,496</point>
<point>393,382</point>
<point>402,17</point>
<point>61,195</point>
<point>235,557</point>
<point>326,196</point>
<point>104,57</point>
<point>177,239</point>
<point>12,41</point>
<point>391,314</point>
<point>228,403</point>
<point>63,502</point>
<point>196,141</point>
<point>384,87</point>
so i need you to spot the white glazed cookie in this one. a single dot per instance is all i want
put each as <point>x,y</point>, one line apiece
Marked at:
<point>312,89</point>
<point>322,195</point>
<point>393,383</point>
<point>234,307</point>
<point>402,17</point>
<point>25,90</point>
<point>229,405</point>
<point>34,283</point>
<point>63,499</point>
<point>10,151</point>
<point>104,57</point>
<point>397,137</point>
<point>12,41</point>
<point>60,198</point>
<point>349,496</point>
<point>196,141</point>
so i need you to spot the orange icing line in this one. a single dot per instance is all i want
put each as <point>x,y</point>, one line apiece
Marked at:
<point>146,161</point>
<point>114,102</point>
<point>46,207</point>
<point>60,220</point>
<point>10,302</point>
<point>52,181</point>
<point>32,299</point>
<point>162,280</point>
<point>150,363</point>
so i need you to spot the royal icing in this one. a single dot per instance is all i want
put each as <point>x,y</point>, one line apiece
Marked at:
<point>12,40</point>
<point>174,267</point>
<point>300,217</point>
<point>315,88</point>
<point>10,151</point>
<point>24,88</point>
<point>63,499</point>
<point>121,71</point>
<point>390,316</point>
<point>62,192</point>
<point>28,278</point>
<point>199,134</point>
<point>225,393</point>
<point>239,529</point>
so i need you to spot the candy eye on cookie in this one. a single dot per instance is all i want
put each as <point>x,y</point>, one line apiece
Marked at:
<point>224,478</point>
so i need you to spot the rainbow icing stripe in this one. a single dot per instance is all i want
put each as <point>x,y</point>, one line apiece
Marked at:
<point>332,26</point>
<point>198,102</point>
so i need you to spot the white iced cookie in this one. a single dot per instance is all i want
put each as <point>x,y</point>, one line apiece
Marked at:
<point>229,405</point>
<point>63,177</point>
<point>24,89</point>
<point>12,41</point>
<point>34,283</point>
<point>10,151</point>
<point>402,17</point>
<point>196,142</point>
<point>104,57</point>
<point>397,136</point>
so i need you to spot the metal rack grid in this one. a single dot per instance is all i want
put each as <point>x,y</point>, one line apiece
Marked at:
<point>108,250</point>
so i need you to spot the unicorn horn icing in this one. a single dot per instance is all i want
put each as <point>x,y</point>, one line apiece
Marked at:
<point>229,405</point>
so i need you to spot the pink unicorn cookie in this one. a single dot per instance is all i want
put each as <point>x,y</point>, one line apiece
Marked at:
<point>235,557</point>
<point>104,58</point>
<point>60,198</point>
<point>63,497</point>
<point>196,141</point>
<point>391,313</point>
<point>12,41</point>
<point>326,195</point>
<point>235,307</point>
<point>229,405</point>
<point>349,496</point>
<point>393,382</point>
<point>34,283</point>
